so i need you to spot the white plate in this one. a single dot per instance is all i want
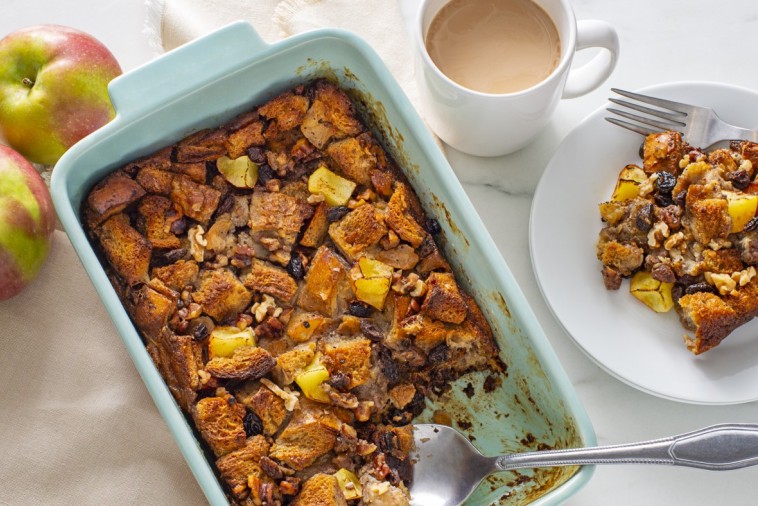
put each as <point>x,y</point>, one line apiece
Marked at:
<point>642,348</point>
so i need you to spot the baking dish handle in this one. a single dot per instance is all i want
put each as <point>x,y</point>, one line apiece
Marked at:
<point>175,73</point>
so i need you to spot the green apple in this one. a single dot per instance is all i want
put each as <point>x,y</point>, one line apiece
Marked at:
<point>27,221</point>
<point>53,89</point>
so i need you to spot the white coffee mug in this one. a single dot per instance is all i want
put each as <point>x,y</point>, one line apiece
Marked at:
<point>486,124</point>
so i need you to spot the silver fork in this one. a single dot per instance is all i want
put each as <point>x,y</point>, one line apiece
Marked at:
<point>700,126</point>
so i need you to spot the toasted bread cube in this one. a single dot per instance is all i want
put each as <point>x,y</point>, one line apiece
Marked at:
<point>350,357</point>
<point>178,275</point>
<point>197,201</point>
<point>322,283</point>
<point>152,309</point>
<point>111,196</point>
<point>427,333</point>
<point>330,116</point>
<point>662,152</point>
<point>317,228</point>
<point>322,490</point>
<point>239,466</point>
<point>287,110</point>
<point>400,210</point>
<point>278,216</point>
<point>308,436</point>
<point>246,362</point>
<point>302,325</point>
<point>221,294</point>
<point>157,214</point>
<point>443,300</point>
<point>127,250</point>
<point>240,140</point>
<point>275,281</point>
<point>353,159</point>
<point>195,171</point>
<point>358,230</point>
<point>155,180</point>
<point>292,362</point>
<point>266,405</point>
<point>724,261</point>
<point>203,146</point>
<point>707,217</point>
<point>220,422</point>
<point>179,358</point>
<point>625,258</point>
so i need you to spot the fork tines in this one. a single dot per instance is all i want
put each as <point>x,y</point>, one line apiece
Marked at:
<point>667,116</point>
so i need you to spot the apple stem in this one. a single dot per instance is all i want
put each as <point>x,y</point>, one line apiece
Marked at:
<point>27,82</point>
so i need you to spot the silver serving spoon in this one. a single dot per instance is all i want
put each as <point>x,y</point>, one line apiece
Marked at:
<point>447,467</point>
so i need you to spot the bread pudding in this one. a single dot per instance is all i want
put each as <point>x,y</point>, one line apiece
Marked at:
<point>683,227</point>
<point>289,288</point>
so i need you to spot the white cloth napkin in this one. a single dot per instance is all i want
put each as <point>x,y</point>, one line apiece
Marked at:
<point>382,23</point>
<point>77,425</point>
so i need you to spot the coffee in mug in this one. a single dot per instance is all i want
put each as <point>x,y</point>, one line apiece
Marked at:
<point>494,46</point>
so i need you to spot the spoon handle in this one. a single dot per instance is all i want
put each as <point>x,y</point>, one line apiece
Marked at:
<point>718,447</point>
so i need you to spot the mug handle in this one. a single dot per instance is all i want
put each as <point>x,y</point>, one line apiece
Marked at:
<point>587,77</point>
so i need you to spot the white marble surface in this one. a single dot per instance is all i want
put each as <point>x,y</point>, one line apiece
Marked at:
<point>660,41</point>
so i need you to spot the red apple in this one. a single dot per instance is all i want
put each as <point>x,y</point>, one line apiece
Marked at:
<point>53,89</point>
<point>27,221</point>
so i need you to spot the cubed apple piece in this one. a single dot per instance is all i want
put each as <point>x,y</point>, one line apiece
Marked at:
<point>741,208</point>
<point>371,268</point>
<point>335,189</point>
<point>628,183</point>
<point>653,293</point>
<point>372,291</point>
<point>241,172</point>
<point>349,484</point>
<point>311,379</point>
<point>224,340</point>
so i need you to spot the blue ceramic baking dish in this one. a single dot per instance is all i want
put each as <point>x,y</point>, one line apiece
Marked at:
<point>214,78</point>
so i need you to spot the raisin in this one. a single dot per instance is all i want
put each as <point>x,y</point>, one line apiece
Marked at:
<point>699,287</point>
<point>740,179</point>
<point>663,199</point>
<point>644,219</point>
<point>200,328</point>
<point>336,213</point>
<point>665,182</point>
<point>339,381</point>
<point>253,425</point>
<point>371,331</point>
<point>751,225</point>
<point>359,309</point>
<point>256,155</point>
<point>295,267</point>
<point>389,367</point>
<point>179,226</point>
<point>265,173</point>
<point>227,204</point>
<point>641,151</point>
<point>432,226</point>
